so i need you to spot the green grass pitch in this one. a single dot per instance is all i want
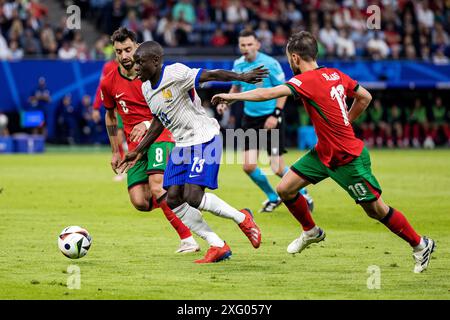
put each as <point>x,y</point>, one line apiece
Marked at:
<point>132,256</point>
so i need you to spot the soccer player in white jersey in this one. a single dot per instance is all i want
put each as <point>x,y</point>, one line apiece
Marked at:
<point>194,162</point>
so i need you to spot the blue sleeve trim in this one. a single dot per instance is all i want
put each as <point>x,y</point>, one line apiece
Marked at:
<point>197,78</point>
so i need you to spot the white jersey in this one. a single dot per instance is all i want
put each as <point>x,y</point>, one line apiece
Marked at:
<point>176,104</point>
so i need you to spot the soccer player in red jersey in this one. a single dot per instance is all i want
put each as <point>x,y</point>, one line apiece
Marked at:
<point>338,153</point>
<point>107,68</point>
<point>96,116</point>
<point>120,91</point>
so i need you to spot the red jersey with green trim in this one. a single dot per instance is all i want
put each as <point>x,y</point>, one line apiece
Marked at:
<point>125,94</point>
<point>107,68</point>
<point>323,92</point>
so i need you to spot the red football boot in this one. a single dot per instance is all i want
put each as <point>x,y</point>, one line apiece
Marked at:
<point>249,227</point>
<point>216,254</point>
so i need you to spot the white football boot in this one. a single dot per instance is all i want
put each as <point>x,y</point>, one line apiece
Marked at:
<point>187,246</point>
<point>299,244</point>
<point>423,257</point>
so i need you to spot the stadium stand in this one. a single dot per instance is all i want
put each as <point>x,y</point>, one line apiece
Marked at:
<point>404,63</point>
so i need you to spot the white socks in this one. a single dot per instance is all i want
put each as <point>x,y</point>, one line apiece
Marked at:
<point>420,246</point>
<point>312,232</point>
<point>218,207</point>
<point>193,219</point>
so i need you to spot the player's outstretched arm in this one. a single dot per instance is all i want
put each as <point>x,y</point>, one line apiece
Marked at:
<point>130,159</point>
<point>260,94</point>
<point>222,107</point>
<point>253,76</point>
<point>361,102</point>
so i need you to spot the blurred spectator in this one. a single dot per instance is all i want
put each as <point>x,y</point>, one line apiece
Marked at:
<point>279,40</point>
<point>67,51</point>
<point>266,11</point>
<point>42,94</point>
<point>236,13</point>
<point>328,36</point>
<point>150,9</point>
<point>265,36</point>
<point>82,52</point>
<point>425,15</point>
<point>166,31</point>
<point>48,40</point>
<point>90,128</point>
<point>113,15</point>
<point>97,53</point>
<point>440,128</point>
<point>217,12</point>
<point>377,124</point>
<point>293,14</point>
<point>3,125</point>
<point>69,121</point>
<point>132,22</point>
<point>393,40</point>
<point>439,57</point>
<point>4,50</point>
<point>416,124</point>
<point>202,13</point>
<point>148,31</point>
<point>30,44</point>
<point>184,10</point>
<point>394,128</point>
<point>345,47</point>
<point>15,52</point>
<point>219,39</point>
<point>40,100</point>
<point>425,22</point>
<point>377,47</point>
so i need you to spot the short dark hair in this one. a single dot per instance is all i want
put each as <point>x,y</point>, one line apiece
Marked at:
<point>122,34</point>
<point>304,44</point>
<point>248,33</point>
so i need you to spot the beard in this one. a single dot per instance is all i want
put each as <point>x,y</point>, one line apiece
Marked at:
<point>128,66</point>
<point>296,70</point>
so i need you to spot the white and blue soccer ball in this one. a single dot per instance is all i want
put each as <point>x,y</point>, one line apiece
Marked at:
<point>74,242</point>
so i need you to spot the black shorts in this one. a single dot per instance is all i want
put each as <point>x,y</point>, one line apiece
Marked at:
<point>274,146</point>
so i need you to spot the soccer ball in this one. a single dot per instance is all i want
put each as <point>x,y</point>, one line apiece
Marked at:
<point>74,242</point>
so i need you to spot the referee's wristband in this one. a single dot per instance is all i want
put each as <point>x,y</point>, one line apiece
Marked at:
<point>278,113</point>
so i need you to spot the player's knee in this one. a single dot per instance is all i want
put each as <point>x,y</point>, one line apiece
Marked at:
<point>141,205</point>
<point>174,202</point>
<point>374,212</point>
<point>249,168</point>
<point>194,198</point>
<point>285,193</point>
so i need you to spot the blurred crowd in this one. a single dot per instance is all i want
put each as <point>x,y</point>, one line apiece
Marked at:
<point>400,125</point>
<point>25,32</point>
<point>408,29</point>
<point>76,121</point>
<point>419,121</point>
<point>423,121</point>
